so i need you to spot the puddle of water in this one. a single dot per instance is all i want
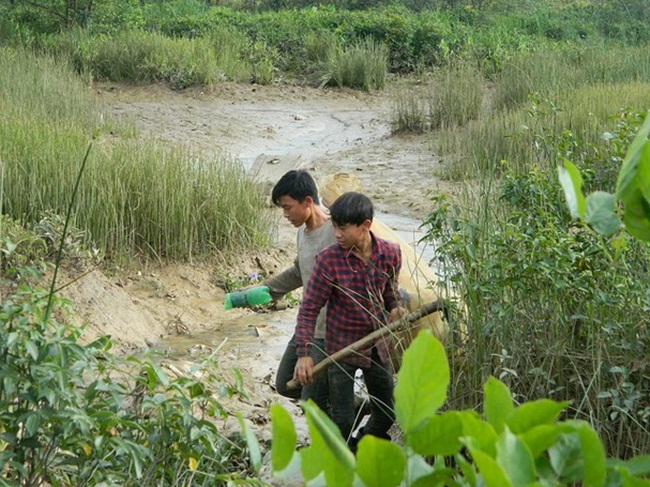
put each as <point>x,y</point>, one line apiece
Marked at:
<point>243,335</point>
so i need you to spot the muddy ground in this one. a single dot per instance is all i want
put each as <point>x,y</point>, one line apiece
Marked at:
<point>270,129</point>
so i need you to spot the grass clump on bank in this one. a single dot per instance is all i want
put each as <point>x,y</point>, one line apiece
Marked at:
<point>538,98</point>
<point>146,57</point>
<point>362,66</point>
<point>451,98</point>
<point>136,198</point>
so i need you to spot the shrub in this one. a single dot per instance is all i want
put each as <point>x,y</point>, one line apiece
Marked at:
<point>510,443</point>
<point>554,310</point>
<point>66,418</point>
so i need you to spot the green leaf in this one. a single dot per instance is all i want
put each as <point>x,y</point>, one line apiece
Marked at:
<point>639,465</point>
<point>467,469</point>
<point>11,339</point>
<point>593,453</point>
<point>441,476</point>
<point>32,424</point>
<point>492,473</point>
<point>515,459</point>
<point>601,213</point>
<point>497,404</point>
<point>380,463</point>
<point>422,382</point>
<point>32,349</point>
<point>418,468</point>
<point>283,445</point>
<point>540,438</point>
<point>338,461</point>
<point>643,171</point>
<point>633,186</point>
<point>636,216</point>
<point>438,435</point>
<point>566,457</point>
<point>481,433</point>
<point>311,461</point>
<point>535,413</point>
<point>630,481</point>
<point>252,443</point>
<point>627,175</point>
<point>571,182</point>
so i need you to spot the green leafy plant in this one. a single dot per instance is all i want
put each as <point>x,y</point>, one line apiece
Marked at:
<point>509,444</point>
<point>599,209</point>
<point>74,414</point>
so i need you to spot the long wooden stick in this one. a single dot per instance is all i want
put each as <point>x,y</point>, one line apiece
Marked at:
<point>403,323</point>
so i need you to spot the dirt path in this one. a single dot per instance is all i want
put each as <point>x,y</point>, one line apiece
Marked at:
<point>327,131</point>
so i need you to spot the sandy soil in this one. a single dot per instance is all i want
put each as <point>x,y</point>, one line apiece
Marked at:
<point>269,129</point>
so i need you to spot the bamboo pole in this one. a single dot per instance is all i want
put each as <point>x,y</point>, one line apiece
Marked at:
<point>403,323</point>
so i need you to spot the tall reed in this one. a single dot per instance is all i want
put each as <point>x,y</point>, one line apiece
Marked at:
<point>561,69</point>
<point>363,65</point>
<point>135,198</point>
<point>148,56</point>
<point>519,138</point>
<point>452,98</point>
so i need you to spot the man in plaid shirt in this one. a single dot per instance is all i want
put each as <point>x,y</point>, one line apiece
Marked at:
<point>357,279</point>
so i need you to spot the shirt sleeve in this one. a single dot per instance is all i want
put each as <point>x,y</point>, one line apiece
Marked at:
<point>288,280</point>
<point>392,285</point>
<point>317,293</point>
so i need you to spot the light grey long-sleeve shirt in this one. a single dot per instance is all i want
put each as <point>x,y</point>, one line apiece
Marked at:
<point>309,244</point>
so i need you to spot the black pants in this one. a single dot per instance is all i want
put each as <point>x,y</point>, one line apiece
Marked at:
<point>379,382</point>
<point>318,390</point>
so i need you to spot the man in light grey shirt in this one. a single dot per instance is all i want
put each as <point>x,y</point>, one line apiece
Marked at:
<point>297,194</point>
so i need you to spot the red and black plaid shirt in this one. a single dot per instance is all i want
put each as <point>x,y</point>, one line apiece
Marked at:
<point>359,298</point>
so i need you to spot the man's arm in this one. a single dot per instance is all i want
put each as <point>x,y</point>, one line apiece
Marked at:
<point>317,293</point>
<point>285,282</point>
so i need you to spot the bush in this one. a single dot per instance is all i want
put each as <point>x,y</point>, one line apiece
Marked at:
<point>65,419</point>
<point>554,310</point>
<point>510,443</point>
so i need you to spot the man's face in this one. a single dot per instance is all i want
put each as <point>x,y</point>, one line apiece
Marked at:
<point>293,210</point>
<point>349,235</point>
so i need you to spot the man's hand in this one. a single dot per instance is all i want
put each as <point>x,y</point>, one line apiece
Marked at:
<point>397,313</point>
<point>303,372</point>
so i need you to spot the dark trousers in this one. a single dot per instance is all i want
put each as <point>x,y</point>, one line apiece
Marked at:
<point>318,390</point>
<point>379,382</point>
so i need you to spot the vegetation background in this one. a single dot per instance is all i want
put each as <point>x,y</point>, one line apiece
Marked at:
<point>505,90</point>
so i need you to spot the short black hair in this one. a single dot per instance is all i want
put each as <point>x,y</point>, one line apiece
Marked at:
<point>297,184</point>
<point>351,208</point>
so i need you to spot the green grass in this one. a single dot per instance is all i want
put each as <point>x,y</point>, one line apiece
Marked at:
<point>561,69</point>
<point>363,65</point>
<point>451,98</point>
<point>149,57</point>
<point>522,138</point>
<point>136,198</point>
